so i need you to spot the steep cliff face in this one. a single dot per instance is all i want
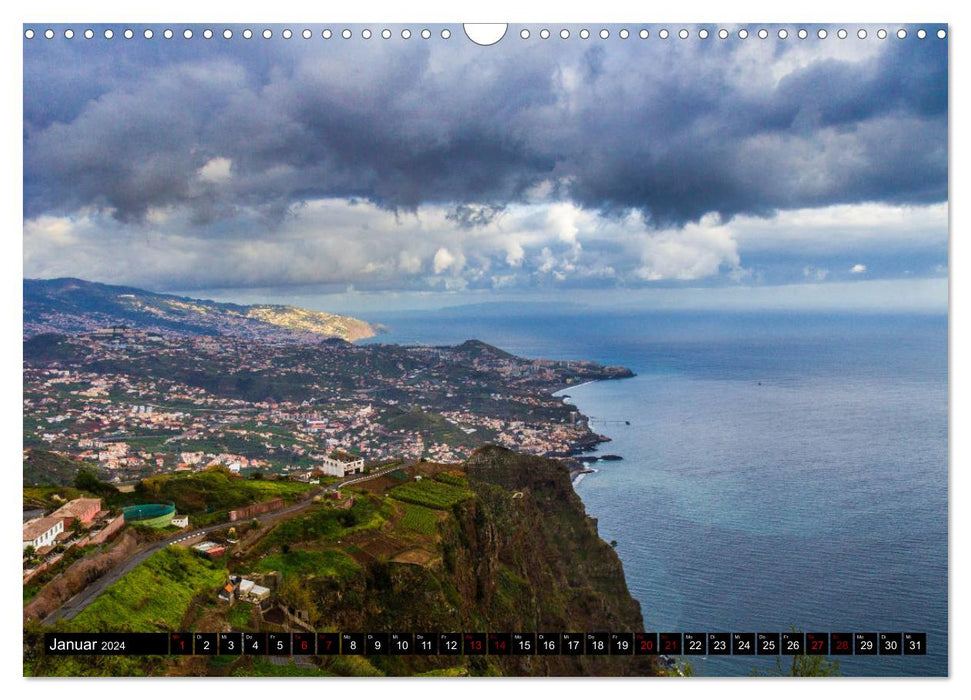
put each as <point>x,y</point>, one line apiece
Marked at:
<point>522,556</point>
<point>517,554</point>
<point>536,563</point>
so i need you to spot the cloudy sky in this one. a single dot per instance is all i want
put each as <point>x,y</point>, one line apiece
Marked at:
<point>439,169</point>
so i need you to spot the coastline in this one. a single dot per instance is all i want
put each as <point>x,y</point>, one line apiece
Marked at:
<point>578,467</point>
<point>580,475</point>
<point>574,386</point>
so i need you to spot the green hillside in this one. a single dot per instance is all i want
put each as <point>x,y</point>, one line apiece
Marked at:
<point>214,492</point>
<point>154,596</point>
<point>502,543</point>
<point>45,468</point>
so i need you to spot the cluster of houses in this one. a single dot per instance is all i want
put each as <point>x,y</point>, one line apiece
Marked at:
<point>244,589</point>
<point>267,607</point>
<point>189,461</point>
<point>47,532</point>
<point>44,532</point>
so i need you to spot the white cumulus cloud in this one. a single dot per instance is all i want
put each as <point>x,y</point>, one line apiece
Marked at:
<point>443,260</point>
<point>216,171</point>
<point>694,252</point>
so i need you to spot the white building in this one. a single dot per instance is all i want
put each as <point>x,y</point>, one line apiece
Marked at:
<point>42,532</point>
<point>341,464</point>
<point>252,592</point>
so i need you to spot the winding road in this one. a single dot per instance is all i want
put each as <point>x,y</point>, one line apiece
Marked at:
<point>94,589</point>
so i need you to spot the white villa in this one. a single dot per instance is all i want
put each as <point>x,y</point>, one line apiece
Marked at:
<point>42,532</point>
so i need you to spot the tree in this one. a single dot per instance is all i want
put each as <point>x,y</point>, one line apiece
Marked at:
<point>29,551</point>
<point>149,488</point>
<point>805,665</point>
<point>298,596</point>
<point>87,480</point>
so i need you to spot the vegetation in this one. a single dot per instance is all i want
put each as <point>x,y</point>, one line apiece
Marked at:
<point>419,519</point>
<point>431,494</point>
<point>154,596</point>
<point>241,617</point>
<point>814,666</point>
<point>39,580</point>
<point>452,479</point>
<point>803,665</point>
<point>488,561</point>
<point>51,347</point>
<point>87,480</point>
<point>45,468</point>
<point>450,672</point>
<point>263,667</point>
<point>50,496</point>
<point>216,490</point>
<point>432,426</point>
<point>325,524</point>
<point>354,666</point>
<point>127,306</point>
<point>293,563</point>
<point>30,590</point>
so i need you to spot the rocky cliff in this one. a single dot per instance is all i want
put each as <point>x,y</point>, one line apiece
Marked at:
<point>521,556</point>
<point>512,551</point>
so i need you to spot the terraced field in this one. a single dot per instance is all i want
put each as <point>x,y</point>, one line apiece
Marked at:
<point>431,494</point>
<point>422,520</point>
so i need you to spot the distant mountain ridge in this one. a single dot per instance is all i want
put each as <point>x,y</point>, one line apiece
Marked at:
<point>69,305</point>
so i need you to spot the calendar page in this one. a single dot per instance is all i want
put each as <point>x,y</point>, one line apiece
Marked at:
<point>532,349</point>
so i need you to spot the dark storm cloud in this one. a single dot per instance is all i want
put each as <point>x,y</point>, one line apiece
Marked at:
<point>674,129</point>
<point>834,131</point>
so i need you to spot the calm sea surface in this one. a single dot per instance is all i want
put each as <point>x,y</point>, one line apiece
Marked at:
<point>778,471</point>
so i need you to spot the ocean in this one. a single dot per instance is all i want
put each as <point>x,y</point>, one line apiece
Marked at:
<point>779,471</point>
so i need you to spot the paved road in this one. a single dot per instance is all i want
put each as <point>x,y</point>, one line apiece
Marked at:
<point>94,589</point>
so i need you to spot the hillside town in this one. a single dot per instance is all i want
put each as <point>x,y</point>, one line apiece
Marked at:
<point>139,403</point>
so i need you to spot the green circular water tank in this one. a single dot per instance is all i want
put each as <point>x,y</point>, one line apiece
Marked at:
<point>150,514</point>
